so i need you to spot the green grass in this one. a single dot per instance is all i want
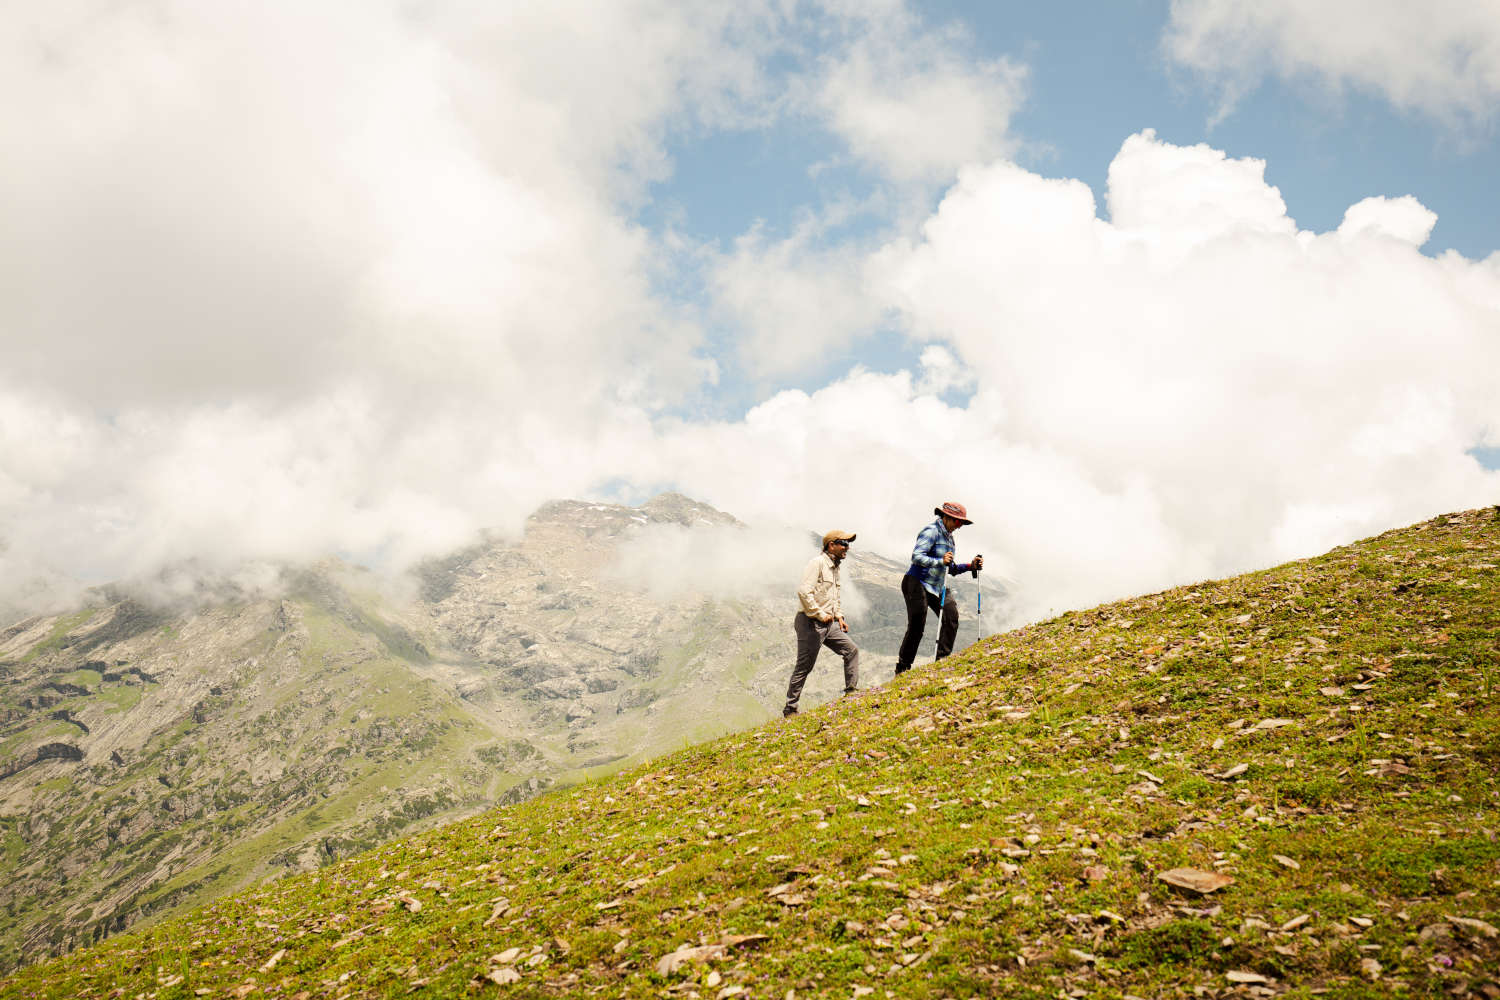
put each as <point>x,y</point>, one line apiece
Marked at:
<point>11,843</point>
<point>121,697</point>
<point>993,825</point>
<point>83,678</point>
<point>49,730</point>
<point>57,637</point>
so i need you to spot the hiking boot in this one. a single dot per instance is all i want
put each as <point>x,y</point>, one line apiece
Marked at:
<point>787,713</point>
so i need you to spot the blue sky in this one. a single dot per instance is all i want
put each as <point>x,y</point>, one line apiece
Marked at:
<point>1095,74</point>
<point>372,278</point>
<point>1100,73</point>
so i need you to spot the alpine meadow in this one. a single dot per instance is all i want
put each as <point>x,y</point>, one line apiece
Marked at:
<point>1278,784</point>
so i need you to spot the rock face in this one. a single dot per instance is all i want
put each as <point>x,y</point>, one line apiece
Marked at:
<point>151,759</point>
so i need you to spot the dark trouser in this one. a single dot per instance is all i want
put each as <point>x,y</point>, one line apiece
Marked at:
<point>811,636</point>
<point>918,600</point>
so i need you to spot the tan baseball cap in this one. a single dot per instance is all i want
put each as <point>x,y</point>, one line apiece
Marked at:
<point>838,536</point>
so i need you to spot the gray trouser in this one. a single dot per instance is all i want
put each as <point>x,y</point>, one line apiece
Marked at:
<point>811,636</point>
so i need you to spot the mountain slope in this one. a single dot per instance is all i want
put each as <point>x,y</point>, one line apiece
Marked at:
<point>152,759</point>
<point>1324,734</point>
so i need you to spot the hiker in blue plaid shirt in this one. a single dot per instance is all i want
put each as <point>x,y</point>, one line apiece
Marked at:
<point>923,584</point>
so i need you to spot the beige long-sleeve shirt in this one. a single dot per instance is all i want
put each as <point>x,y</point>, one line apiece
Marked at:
<point>819,591</point>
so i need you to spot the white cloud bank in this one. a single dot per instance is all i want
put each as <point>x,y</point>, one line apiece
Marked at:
<point>362,276</point>
<point>1193,388</point>
<point>1440,57</point>
<point>363,280</point>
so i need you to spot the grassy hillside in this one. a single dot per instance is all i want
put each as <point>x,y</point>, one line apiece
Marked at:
<point>1325,734</point>
<point>153,759</point>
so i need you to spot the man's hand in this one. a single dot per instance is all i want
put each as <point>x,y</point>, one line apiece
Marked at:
<point>843,624</point>
<point>947,558</point>
<point>979,562</point>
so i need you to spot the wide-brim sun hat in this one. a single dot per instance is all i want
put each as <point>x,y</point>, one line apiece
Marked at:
<point>953,510</point>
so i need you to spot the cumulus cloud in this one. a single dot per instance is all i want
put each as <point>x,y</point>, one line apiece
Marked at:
<point>1190,388</point>
<point>1440,58</point>
<point>1186,195</point>
<point>872,453</point>
<point>220,201</point>
<point>792,301</point>
<point>907,103</point>
<point>1244,391</point>
<point>908,106</point>
<point>1404,219</point>
<point>942,372</point>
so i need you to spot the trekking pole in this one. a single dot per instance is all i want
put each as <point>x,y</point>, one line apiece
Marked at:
<point>978,600</point>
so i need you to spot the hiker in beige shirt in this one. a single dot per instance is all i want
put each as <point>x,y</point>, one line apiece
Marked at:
<point>820,622</point>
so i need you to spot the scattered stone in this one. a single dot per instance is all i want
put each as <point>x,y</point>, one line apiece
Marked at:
<point>501,908</point>
<point>1479,926</point>
<point>1196,879</point>
<point>702,954</point>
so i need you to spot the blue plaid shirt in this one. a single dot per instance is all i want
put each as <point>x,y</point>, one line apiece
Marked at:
<point>927,557</point>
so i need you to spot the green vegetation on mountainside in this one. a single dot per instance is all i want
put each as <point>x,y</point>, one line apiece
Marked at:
<point>291,746</point>
<point>1325,734</point>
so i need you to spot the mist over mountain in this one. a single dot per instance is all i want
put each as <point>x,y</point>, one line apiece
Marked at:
<point>155,754</point>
